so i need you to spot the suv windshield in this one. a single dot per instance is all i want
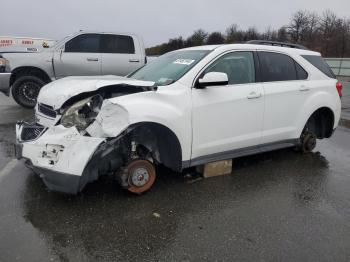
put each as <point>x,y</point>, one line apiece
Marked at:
<point>170,67</point>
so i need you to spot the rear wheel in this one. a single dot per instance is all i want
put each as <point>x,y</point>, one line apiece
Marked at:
<point>25,90</point>
<point>308,142</point>
<point>141,175</point>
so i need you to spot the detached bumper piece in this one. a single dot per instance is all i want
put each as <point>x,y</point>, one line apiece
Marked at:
<point>61,156</point>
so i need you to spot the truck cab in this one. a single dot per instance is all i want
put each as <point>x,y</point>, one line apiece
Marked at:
<point>81,54</point>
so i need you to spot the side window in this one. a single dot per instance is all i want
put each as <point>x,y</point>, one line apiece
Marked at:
<point>86,43</point>
<point>277,67</point>
<point>239,67</point>
<point>118,44</point>
<point>301,73</point>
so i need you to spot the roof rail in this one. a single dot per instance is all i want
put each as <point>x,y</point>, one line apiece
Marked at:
<point>276,43</point>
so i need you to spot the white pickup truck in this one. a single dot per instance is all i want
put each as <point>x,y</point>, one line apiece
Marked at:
<point>80,54</point>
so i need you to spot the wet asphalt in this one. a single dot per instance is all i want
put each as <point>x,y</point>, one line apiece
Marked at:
<point>277,206</point>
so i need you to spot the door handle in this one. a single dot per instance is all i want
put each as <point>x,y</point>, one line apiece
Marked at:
<point>134,60</point>
<point>91,59</point>
<point>304,88</point>
<point>254,95</point>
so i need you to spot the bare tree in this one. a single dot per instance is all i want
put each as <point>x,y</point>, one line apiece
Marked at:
<point>215,38</point>
<point>231,34</point>
<point>197,38</point>
<point>298,26</point>
<point>325,33</point>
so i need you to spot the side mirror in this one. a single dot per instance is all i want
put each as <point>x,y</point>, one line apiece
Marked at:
<point>213,79</point>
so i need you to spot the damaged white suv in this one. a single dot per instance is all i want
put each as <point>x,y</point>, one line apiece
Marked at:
<point>186,108</point>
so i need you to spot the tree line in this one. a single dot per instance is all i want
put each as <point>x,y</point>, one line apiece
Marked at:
<point>325,33</point>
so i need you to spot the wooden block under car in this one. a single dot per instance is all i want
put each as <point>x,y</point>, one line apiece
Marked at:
<point>215,168</point>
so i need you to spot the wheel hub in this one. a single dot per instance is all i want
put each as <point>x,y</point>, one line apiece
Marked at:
<point>30,91</point>
<point>139,177</point>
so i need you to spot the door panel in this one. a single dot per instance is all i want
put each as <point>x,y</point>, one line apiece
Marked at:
<point>283,102</point>
<point>119,55</point>
<point>80,57</point>
<point>120,64</point>
<point>286,89</point>
<point>228,117</point>
<point>77,64</point>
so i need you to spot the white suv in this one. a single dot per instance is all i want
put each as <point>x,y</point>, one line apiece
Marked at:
<point>186,108</point>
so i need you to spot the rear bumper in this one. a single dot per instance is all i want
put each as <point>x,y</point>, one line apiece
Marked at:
<point>5,83</point>
<point>60,156</point>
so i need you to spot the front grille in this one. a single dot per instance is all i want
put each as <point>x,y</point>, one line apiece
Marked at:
<point>47,110</point>
<point>31,132</point>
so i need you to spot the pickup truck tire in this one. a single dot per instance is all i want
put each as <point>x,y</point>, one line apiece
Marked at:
<point>25,90</point>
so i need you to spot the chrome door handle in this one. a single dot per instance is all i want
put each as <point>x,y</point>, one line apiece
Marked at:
<point>304,88</point>
<point>254,95</point>
<point>90,59</point>
<point>134,60</point>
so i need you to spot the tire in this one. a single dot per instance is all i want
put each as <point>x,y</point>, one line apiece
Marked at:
<point>25,90</point>
<point>308,142</point>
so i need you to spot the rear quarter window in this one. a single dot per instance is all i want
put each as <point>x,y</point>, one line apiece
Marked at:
<point>320,64</point>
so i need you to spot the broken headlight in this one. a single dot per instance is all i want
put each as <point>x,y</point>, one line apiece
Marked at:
<point>82,113</point>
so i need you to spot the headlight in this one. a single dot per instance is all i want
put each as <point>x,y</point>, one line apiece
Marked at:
<point>82,113</point>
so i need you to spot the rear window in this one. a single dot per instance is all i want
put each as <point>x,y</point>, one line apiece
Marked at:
<point>318,62</point>
<point>277,67</point>
<point>118,44</point>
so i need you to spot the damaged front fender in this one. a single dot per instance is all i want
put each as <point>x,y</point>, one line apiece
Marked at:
<point>112,120</point>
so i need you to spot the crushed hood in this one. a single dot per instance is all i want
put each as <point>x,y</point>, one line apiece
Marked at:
<point>58,92</point>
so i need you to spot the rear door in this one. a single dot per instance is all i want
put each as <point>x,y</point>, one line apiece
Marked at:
<point>286,89</point>
<point>120,54</point>
<point>80,57</point>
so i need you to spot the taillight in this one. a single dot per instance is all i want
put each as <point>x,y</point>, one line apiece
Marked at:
<point>339,87</point>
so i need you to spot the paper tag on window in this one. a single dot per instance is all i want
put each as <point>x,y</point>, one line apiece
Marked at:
<point>183,61</point>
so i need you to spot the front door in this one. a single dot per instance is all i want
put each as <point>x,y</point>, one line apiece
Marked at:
<point>227,118</point>
<point>81,57</point>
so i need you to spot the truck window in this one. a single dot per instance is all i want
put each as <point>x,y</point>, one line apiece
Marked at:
<point>86,43</point>
<point>277,67</point>
<point>320,64</point>
<point>118,44</point>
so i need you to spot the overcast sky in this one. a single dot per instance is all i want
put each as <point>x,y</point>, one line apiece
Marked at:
<point>155,20</point>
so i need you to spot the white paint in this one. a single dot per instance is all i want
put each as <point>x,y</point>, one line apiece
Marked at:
<point>61,149</point>
<point>205,121</point>
<point>58,92</point>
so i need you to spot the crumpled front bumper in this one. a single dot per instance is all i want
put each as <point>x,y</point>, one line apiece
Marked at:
<point>59,155</point>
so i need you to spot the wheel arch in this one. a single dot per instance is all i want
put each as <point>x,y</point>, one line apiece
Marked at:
<point>320,122</point>
<point>29,70</point>
<point>161,139</point>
